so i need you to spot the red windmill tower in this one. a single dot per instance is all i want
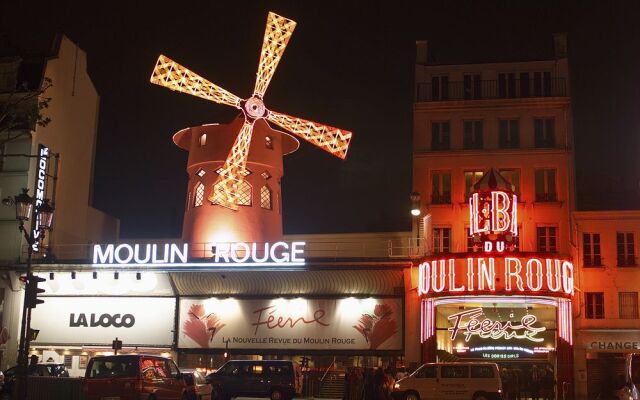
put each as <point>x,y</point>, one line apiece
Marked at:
<point>235,169</point>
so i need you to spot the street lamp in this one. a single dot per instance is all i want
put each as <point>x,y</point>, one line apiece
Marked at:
<point>415,204</point>
<point>42,220</point>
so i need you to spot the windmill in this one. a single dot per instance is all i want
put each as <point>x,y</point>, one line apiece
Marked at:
<point>225,190</point>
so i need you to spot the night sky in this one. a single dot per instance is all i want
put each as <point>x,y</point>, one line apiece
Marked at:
<point>350,65</point>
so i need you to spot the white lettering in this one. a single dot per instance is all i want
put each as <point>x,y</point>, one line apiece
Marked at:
<point>128,254</point>
<point>100,257</point>
<point>285,255</point>
<point>240,248</point>
<point>297,248</point>
<point>509,272</point>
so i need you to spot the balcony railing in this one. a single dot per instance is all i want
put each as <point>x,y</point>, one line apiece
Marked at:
<point>508,89</point>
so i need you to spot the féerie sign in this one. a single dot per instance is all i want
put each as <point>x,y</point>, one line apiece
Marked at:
<point>471,323</point>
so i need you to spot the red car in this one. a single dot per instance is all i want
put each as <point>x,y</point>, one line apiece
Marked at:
<point>129,377</point>
<point>197,386</point>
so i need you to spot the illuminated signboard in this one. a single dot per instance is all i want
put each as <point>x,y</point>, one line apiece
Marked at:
<point>496,274</point>
<point>470,323</point>
<point>225,254</point>
<point>39,189</point>
<point>493,213</point>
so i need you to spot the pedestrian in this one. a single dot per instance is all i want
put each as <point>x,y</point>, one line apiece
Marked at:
<point>548,384</point>
<point>534,384</point>
<point>368,384</point>
<point>378,385</point>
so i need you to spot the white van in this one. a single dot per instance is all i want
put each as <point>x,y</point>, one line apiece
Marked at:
<point>451,381</point>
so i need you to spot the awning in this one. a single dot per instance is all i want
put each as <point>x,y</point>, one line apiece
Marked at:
<point>351,282</point>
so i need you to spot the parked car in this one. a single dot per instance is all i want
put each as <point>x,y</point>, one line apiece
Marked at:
<point>125,377</point>
<point>469,380</point>
<point>197,386</point>
<point>42,369</point>
<point>276,379</point>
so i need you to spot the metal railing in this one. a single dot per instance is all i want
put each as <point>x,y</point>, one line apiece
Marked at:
<point>495,89</point>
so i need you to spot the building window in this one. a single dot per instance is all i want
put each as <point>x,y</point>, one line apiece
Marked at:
<point>268,142</point>
<point>472,135</point>
<point>625,243</point>
<point>441,187</point>
<point>513,176</point>
<point>524,84</point>
<point>470,179</point>
<point>200,172</point>
<point>203,139</point>
<point>266,175</point>
<point>439,88</point>
<point>265,198</point>
<point>547,239</point>
<point>542,84</point>
<point>472,86</point>
<point>244,193</point>
<point>441,240</point>
<point>440,136</point>
<point>594,304</point>
<point>591,250</point>
<point>506,85</point>
<point>628,305</point>
<point>509,133</point>
<point>198,199</point>
<point>544,130</point>
<point>546,185</point>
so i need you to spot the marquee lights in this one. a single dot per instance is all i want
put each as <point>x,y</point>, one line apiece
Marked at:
<point>496,330</point>
<point>480,275</point>
<point>277,34</point>
<point>226,254</point>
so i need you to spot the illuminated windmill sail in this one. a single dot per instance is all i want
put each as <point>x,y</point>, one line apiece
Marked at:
<point>174,76</point>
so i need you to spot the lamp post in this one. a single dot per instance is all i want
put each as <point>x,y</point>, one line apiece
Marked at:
<point>41,222</point>
<point>415,212</point>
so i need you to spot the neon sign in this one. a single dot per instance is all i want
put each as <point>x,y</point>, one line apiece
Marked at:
<point>493,213</point>
<point>490,274</point>
<point>488,329</point>
<point>40,187</point>
<point>223,254</point>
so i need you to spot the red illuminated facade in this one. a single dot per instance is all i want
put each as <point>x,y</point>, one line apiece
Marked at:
<point>493,164</point>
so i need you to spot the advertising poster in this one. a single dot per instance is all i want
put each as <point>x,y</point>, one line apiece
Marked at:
<point>99,320</point>
<point>311,324</point>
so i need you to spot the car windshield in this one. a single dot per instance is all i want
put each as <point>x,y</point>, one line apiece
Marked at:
<point>109,367</point>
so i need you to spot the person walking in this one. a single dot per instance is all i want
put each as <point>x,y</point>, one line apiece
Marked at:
<point>534,384</point>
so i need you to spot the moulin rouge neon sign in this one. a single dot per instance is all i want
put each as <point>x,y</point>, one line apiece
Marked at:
<point>496,274</point>
<point>496,330</point>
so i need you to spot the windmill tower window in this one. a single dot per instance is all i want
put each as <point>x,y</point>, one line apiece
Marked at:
<point>244,194</point>
<point>199,197</point>
<point>200,172</point>
<point>268,142</point>
<point>265,198</point>
<point>203,139</point>
<point>266,175</point>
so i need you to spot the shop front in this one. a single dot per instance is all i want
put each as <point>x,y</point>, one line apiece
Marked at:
<point>83,313</point>
<point>601,359</point>
<point>513,310</point>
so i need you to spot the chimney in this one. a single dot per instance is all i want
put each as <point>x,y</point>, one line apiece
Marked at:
<point>422,48</point>
<point>560,45</point>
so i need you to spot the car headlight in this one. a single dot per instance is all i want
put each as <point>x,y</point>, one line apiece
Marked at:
<point>396,386</point>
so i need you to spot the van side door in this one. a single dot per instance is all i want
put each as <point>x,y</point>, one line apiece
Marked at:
<point>454,382</point>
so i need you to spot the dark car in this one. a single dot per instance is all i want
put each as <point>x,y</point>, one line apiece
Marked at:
<point>197,386</point>
<point>276,379</point>
<point>43,369</point>
<point>139,377</point>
